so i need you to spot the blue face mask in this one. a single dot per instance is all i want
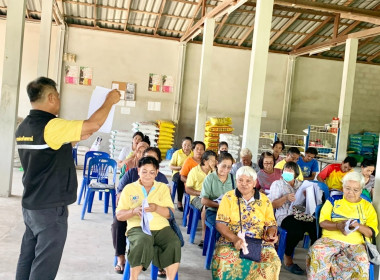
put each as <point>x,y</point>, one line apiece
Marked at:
<point>288,176</point>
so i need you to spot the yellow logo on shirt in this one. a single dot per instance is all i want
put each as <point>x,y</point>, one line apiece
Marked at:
<point>25,138</point>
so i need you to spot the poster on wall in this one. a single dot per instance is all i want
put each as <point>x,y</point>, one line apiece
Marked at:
<point>167,83</point>
<point>71,74</point>
<point>131,92</point>
<point>154,82</point>
<point>85,77</point>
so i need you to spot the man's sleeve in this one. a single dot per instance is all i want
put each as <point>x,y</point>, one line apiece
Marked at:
<point>185,168</point>
<point>325,172</point>
<point>315,167</point>
<point>59,131</point>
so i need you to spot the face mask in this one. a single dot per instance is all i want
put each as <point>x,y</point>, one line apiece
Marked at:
<point>288,176</point>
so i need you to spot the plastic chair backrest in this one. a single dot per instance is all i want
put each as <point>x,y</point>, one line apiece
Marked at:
<point>317,213</point>
<point>323,187</point>
<point>103,166</point>
<point>92,154</point>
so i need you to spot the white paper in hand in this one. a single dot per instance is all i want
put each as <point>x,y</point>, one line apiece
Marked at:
<point>241,235</point>
<point>347,229</point>
<point>97,99</point>
<point>146,217</point>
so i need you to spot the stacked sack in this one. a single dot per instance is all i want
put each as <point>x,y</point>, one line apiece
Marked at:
<point>233,142</point>
<point>165,139</point>
<point>215,127</point>
<point>118,140</point>
<point>148,129</point>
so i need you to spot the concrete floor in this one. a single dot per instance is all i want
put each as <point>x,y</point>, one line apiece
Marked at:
<point>89,252</point>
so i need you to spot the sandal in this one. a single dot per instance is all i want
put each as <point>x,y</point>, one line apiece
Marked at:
<point>119,269</point>
<point>295,269</point>
<point>161,273</point>
<point>200,245</point>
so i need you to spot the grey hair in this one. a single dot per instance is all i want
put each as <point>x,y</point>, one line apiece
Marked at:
<point>246,170</point>
<point>245,152</point>
<point>354,176</point>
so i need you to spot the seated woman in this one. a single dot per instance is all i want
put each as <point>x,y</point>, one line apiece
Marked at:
<point>127,151</point>
<point>282,194</point>
<point>194,184</point>
<point>134,159</point>
<point>222,147</point>
<point>340,254</point>
<point>216,184</point>
<point>368,167</point>
<point>257,221</point>
<point>178,159</point>
<point>119,228</point>
<point>267,174</point>
<point>163,246</point>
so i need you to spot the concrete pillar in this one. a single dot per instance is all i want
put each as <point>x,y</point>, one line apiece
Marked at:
<point>10,90</point>
<point>346,93</point>
<point>288,93</point>
<point>57,77</point>
<point>45,35</point>
<point>257,74</point>
<point>204,78</point>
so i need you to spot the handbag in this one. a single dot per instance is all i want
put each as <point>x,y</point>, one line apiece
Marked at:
<point>299,214</point>
<point>175,227</point>
<point>253,244</point>
<point>373,253</point>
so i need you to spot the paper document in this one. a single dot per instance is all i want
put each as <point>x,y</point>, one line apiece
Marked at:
<point>349,223</point>
<point>97,99</point>
<point>146,217</point>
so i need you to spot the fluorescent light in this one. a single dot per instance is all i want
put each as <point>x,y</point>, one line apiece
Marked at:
<point>323,49</point>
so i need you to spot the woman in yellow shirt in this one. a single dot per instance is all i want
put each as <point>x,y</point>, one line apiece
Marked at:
<point>247,210</point>
<point>341,251</point>
<point>162,246</point>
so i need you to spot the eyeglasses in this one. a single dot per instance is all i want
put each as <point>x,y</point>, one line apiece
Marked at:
<point>224,166</point>
<point>352,190</point>
<point>268,163</point>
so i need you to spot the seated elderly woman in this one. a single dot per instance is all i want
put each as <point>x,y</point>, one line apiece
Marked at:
<point>245,209</point>
<point>341,254</point>
<point>163,246</point>
<point>282,194</point>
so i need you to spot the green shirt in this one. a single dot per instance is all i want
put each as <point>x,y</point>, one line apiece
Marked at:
<point>214,188</point>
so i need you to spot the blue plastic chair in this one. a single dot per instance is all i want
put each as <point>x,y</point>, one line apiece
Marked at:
<point>169,153</point>
<point>75,154</point>
<point>281,243</point>
<point>92,172</point>
<point>209,244</point>
<point>186,209</point>
<point>103,167</point>
<point>195,217</point>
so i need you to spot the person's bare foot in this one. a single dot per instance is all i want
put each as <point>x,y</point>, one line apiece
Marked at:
<point>119,268</point>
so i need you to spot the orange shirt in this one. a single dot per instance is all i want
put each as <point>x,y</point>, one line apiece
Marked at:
<point>333,176</point>
<point>188,165</point>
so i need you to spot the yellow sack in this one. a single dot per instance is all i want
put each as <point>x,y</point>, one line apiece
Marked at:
<point>164,146</point>
<point>166,124</point>
<point>166,134</point>
<point>212,134</point>
<point>212,139</point>
<point>221,121</point>
<point>219,129</point>
<point>212,144</point>
<point>165,143</point>
<point>165,139</point>
<point>166,130</point>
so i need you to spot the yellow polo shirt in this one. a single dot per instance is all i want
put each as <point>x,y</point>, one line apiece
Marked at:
<point>195,179</point>
<point>281,164</point>
<point>179,158</point>
<point>132,197</point>
<point>341,210</point>
<point>59,131</point>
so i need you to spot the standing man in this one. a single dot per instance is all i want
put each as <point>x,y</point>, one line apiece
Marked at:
<point>44,144</point>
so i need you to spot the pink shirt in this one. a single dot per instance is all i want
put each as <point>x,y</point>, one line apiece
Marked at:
<point>265,180</point>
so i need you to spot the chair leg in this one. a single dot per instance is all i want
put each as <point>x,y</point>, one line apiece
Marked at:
<point>127,271</point>
<point>85,203</point>
<point>100,195</point>
<point>174,190</point>
<point>371,272</point>
<point>206,242</point>
<point>90,199</point>
<point>113,199</point>
<point>153,272</point>
<point>281,243</point>
<point>306,241</point>
<point>106,201</point>
<point>194,224</point>
<point>210,249</point>
<point>190,221</point>
<point>82,190</point>
<point>186,210</point>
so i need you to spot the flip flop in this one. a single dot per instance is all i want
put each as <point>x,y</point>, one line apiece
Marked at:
<point>119,269</point>
<point>295,269</point>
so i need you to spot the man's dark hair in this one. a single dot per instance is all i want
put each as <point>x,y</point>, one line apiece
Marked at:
<point>264,155</point>
<point>294,150</point>
<point>36,88</point>
<point>187,138</point>
<point>294,166</point>
<point>312,151</point>
<point>223,143</point>
<point>155,150</point>
<point>367,162</point>
<point>148,160</point>
<point>206,156</point>
<point>195,143</point>
<point>351,161</point>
